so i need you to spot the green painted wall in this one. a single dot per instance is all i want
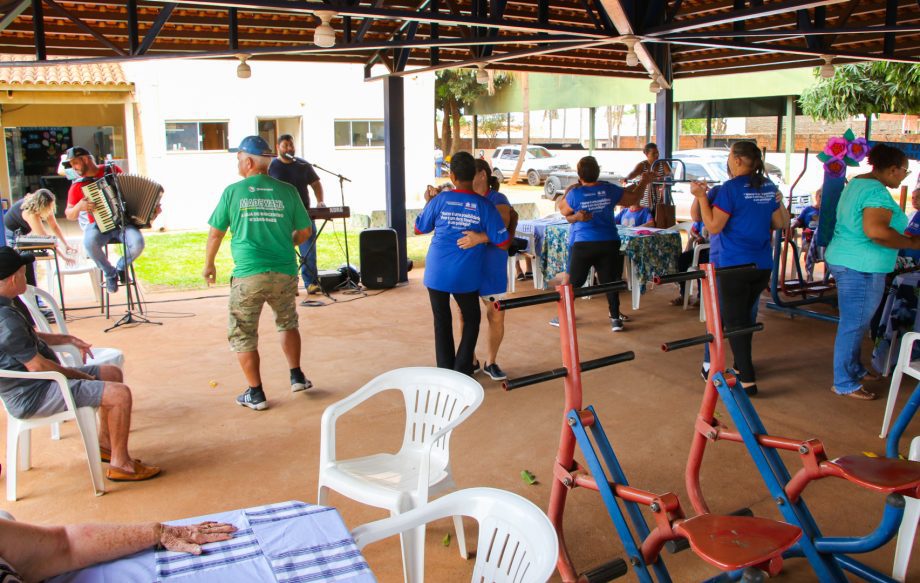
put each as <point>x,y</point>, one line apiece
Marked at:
<point>573,91</point>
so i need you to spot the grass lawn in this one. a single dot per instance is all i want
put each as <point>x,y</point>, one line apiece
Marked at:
<point>177,259</point>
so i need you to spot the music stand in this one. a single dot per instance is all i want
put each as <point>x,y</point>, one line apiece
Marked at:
<point>349,283</point>
<point>130,316</point>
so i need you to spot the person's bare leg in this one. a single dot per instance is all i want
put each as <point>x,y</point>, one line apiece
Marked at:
<point>249,362</point>
<point>115,410</point>
<point>496,330</point>
<point>290,345</point>
<point>110,374</point>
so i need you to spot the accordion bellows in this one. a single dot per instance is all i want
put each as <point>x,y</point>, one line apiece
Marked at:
<point>140,194</point>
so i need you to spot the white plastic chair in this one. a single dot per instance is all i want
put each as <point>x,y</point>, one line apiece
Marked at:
<point>694,265</point>
<point>101,355</point>
<point>908,530</point>
<point>904,367</point>
<point>83,265</point>
<point>517,542</point>
<point>19,433</point>
<point>437,400</point>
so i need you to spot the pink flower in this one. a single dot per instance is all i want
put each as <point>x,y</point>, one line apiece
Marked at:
<point>835,168</point>
<point>858,149</point>
<point>836,148</point>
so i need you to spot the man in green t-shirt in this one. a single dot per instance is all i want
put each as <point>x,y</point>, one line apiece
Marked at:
<point>267,220</point>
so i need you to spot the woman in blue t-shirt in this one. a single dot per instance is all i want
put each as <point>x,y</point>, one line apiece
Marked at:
<point>740,219</point>
<point>494,268</point>
<point>462,222</point>
<point>593,237</point>
<point>861,253</point>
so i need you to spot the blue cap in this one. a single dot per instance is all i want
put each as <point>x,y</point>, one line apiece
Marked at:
<point>254,145</point>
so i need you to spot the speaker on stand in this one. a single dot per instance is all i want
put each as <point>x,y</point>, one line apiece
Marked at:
<point>379,249</point>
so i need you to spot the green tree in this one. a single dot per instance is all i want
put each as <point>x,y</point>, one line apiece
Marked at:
<point>864,89</point>
<point>455,90</point>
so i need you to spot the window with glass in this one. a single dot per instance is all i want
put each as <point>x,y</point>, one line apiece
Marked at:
<point>196,136</point>
<point>359,133</point>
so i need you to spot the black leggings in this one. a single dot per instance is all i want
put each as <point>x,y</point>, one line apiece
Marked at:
<point>462,361</point>
<point>605,258</point>
<point>738,293</point>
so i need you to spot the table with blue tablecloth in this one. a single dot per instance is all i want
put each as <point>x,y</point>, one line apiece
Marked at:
<point>648,252</point>
<point>289,541</point>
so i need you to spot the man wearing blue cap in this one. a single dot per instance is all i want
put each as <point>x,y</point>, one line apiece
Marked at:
<point>267,220</point>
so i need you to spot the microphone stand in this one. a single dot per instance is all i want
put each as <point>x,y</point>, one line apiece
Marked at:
<point>349,283</point>
<point>130,317</point>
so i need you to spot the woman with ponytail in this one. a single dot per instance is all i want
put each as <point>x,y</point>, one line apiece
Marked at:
<point>28,217</point>
<point>862,252</point>
<point>740,217</point>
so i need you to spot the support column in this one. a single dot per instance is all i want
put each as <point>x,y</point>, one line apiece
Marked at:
<point>868,135</point>
<point>475,144</point>
<point>664,122</point>
<point>592,131</point>
<point>790,135</point>
<point>395,154</point>
<point>709,123</point>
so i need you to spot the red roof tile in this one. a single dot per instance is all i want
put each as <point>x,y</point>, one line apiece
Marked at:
<point>95,75</point>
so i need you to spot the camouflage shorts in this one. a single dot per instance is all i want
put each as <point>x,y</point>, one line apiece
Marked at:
<point>247,294</point>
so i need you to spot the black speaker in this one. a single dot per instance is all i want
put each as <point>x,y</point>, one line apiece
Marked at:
<point>379,258</point>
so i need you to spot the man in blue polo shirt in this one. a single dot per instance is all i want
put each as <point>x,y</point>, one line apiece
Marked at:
<point>462,222</point>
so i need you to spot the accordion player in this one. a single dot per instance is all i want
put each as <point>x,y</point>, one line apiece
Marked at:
<point>141,197</point>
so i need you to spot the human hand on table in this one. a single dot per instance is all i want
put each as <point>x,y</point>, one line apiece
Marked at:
<point>188,539</point>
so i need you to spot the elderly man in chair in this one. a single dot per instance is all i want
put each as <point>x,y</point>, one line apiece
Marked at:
<point>24,349</point>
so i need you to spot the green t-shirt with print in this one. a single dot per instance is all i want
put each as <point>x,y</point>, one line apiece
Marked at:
<point>261,213</point>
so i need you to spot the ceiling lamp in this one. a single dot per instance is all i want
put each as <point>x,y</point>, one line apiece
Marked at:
<point>482,76</point>
<point>654,87</point>
<point>827,69</point>
<point>632,59</point>
<point>324,35</point>
<point>243,71</point>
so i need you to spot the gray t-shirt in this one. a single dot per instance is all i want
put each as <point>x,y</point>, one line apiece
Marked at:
<point>18,345</point>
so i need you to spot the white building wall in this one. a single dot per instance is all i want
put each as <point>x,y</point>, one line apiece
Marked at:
<point>209,90</point>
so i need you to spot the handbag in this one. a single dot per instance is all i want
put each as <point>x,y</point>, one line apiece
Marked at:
<point>665,211</point>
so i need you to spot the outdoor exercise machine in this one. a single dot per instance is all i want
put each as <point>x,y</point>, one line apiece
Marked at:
<point>806,292</point>
<point>740,546</point>
<point>828,556</point>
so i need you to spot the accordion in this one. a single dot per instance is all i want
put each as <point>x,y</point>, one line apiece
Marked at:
<point>140,194</point>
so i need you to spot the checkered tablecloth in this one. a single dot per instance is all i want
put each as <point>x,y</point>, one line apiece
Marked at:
<point>291,542</point>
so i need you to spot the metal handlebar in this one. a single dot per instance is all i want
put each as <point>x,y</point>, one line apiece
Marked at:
<point>696,340</point>
<point>700,274</point>
<point>557,373</point>
<point>545,298</point>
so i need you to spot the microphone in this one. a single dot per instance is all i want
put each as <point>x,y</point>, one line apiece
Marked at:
<point>289,156</point>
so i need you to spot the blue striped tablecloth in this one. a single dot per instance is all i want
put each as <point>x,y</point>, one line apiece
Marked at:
<point>291,542</point>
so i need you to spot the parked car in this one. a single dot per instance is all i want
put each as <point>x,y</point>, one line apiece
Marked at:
<point>558,181</point>
<point>539,163</point>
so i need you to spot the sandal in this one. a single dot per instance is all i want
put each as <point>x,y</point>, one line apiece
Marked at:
<point>870,376</point>
<point>859,394</point>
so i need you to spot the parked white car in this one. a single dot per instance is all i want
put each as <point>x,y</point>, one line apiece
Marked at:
<point>711,165</point>
<point>538,163</point>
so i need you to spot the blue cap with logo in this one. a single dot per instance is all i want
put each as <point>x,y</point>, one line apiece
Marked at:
<point>254,145</point>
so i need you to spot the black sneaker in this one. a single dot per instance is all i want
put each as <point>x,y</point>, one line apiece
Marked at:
<point>495,372</point>
<point>300,382</point>
<point>253,398</point>
<point>705,374</point>
<point>616,324</point>
<point>122,276</point>
<point>477,367</point>
<point>750,390</point>
<point>520,277</point>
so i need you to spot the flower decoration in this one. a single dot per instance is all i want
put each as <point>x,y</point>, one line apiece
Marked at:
<point>841,152</point>
<point>858,149</point>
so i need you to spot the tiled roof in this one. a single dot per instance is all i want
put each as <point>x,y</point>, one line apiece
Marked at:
<point>92,75</point>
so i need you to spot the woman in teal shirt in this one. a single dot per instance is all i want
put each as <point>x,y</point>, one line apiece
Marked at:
<point>863,250</point>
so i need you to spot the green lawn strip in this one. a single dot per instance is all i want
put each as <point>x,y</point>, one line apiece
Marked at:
<point>177,259</point>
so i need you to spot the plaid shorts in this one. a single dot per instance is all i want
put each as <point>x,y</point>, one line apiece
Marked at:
<point>247,294</point>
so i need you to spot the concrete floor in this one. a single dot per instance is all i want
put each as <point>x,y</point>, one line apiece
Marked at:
<point>218,456</point>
